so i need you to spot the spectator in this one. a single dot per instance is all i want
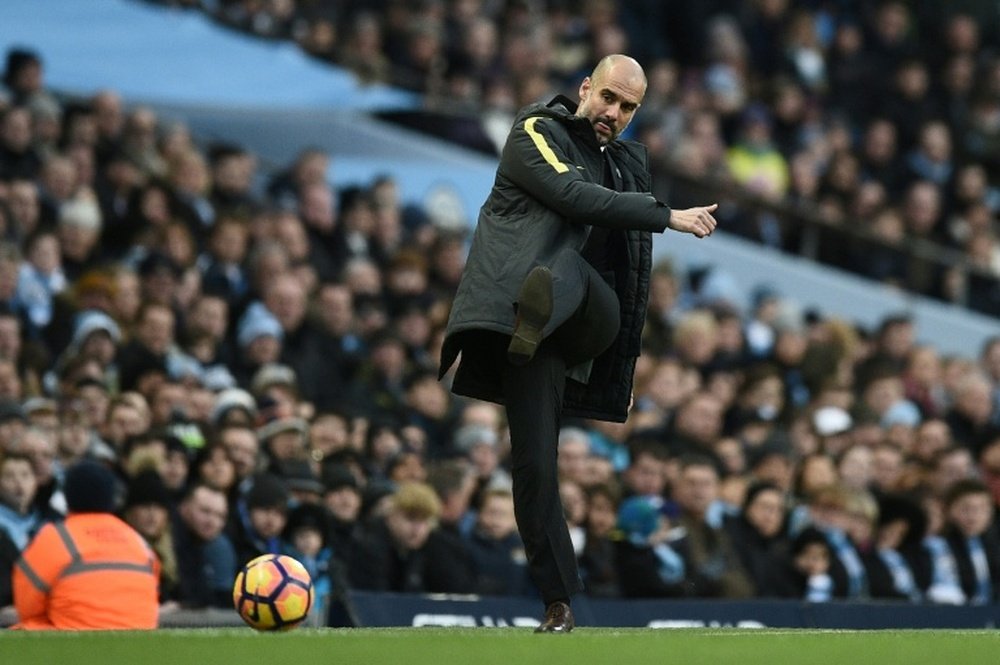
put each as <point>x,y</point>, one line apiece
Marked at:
<point>829,510</point>
<point>480,445</point>
<point>222,265</point>
<point>260,338</point>
<point>405,552</point>
<point>206,560</point>
<point>259,519</point>
<point>306,539</point>
<point>147,510</point>
<point>241,444</point>
<point>757,532</point>
<point>710,558</point>
<point>20,516</point>
<point>41,278</point>
<point>804,573</point>
<point>18,159</point>
<point>9,554</point>
<point>896,567</point>
<point>286,298</point>
<point>496,549</point>
<point>972,538</point>
<point>454,482</point>
<point>646,474</point>
<point>342,499</point>
<point>648,563</point>
<point>597,562</point>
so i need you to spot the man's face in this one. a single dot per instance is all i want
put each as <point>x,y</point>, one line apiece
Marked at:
<point>972,514</point>
<point>205,513</point>
<point>410,532</point>
<point>610,99</point>
<point>344,503</point>
<point>698,488</point>
<point>268,522</point>
<point>243,449</point>
<point>496,517</point>
<point>149,519</point>
<point>17,484</point>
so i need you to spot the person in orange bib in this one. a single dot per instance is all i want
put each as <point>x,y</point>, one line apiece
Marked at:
<point>91,571</point>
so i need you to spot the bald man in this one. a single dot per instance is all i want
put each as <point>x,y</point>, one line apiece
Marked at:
<point>550,308</point>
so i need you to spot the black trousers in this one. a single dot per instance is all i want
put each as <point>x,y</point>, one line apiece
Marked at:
<point>585,322</point>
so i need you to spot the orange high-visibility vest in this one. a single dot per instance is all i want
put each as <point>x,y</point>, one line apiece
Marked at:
<point>91,572</point>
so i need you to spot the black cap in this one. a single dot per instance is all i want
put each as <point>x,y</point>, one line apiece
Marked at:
<point>158,261</point>
<point>268,491</point>
<point>338,476</point>
<point>146,488</point>
<point>308,516</point>
<point>11,410</point>
<point>89,487</point>
<point>17,59</point>
<point>298,475</point>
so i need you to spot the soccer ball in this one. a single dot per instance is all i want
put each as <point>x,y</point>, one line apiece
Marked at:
<point>273,592</point>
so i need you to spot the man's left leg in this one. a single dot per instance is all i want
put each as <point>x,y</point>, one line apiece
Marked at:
<point>533,394</point>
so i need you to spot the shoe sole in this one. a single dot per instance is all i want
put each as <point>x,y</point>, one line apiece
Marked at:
<point>534,309</point>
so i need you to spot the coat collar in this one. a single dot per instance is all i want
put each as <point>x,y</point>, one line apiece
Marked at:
<point>565,109</point>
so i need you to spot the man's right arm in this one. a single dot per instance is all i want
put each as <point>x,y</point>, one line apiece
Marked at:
<point>534,160</point>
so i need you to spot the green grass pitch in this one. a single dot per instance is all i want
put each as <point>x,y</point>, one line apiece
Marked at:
<point>506,646</point>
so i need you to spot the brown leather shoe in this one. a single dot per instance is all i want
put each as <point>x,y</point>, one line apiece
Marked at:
<point>558,619</point>
<point>534,309</point>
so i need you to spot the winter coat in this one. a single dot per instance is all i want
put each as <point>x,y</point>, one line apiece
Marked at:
<point>546,198</point>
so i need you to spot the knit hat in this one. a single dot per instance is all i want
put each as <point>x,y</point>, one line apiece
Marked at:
<point>831,420</point>
<point>308,516</point>
<point>279,425</point>
<point>11,410</point>
<point>157,262</point>
<point>268,491</point>
<point>904,412</point>
<point>17,59</point>
<point>233,398</point>
<point>89,487</point>
<point>91,321</point>
<point>147,488</point>
<point>469,436</point>
<point>258,321</point>
<point>298,475</point>
<point>273,374</point>
<point>338,476</point>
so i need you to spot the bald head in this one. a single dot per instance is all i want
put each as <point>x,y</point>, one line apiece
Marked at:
<point>610,96</point>
<point>621,67</point>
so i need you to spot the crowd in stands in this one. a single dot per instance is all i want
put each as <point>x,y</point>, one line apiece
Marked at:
<point>255,355</point>
<point>877,120</point>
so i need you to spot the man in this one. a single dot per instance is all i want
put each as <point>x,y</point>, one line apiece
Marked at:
<point>565,234</point>
<point>206,559</point>
<point>712,564</point>
<point>406,552</point>
<point>255,526</point>
<point>20,517</point>
<point>91,572</point>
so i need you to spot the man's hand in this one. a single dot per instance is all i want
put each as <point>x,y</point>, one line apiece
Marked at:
<point>698,221</point>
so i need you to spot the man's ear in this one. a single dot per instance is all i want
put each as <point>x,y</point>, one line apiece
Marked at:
<point>585,89</point>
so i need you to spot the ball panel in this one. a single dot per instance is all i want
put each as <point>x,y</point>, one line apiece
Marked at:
<point>264,578</point>
<point>293,603</point>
